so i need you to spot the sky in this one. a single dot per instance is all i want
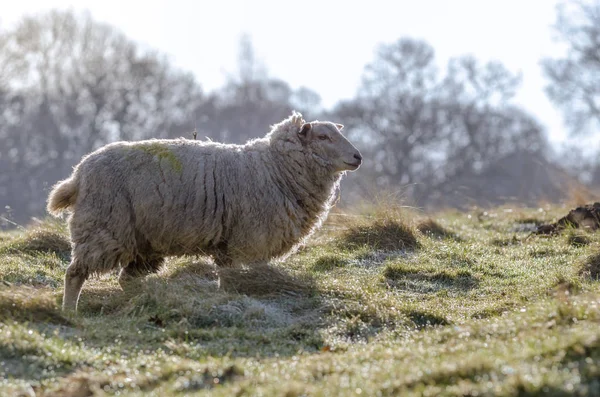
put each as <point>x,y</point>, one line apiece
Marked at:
<point>325,44</point>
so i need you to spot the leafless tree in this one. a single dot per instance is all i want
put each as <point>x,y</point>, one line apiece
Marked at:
<point>574,79</point>
<point>483,125</point>
<point>420,129</point>
<point>73,84</point>
<point>252,100</point>
<point>395,113</point>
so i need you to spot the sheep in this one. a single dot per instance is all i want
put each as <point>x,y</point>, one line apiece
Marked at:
<point>134,203</point>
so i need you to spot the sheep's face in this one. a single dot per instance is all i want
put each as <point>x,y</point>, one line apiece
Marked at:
<point>329,147</point>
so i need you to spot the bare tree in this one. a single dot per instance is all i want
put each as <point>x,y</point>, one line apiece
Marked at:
<point>252,100</point>
<point>483,124</point>
<point>73,85</point>
<point>102,85</point>
<point>395,112</point>
<point>574,80</point>
<point>420,130</point>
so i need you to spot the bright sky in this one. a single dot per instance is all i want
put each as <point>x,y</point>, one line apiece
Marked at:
<point>324,44</point>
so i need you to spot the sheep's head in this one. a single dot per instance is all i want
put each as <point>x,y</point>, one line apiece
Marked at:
<point>328,146</point>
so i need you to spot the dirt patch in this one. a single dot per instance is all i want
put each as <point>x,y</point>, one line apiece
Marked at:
<point>584,217</point>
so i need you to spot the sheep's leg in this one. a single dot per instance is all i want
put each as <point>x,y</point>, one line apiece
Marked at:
<point>74,279</point>
<point>139,268</point>
<point>223,261</point>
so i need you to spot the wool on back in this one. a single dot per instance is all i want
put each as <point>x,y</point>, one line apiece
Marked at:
<point>256,201</point>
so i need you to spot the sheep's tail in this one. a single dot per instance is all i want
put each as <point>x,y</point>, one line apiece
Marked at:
<point>62,196</point>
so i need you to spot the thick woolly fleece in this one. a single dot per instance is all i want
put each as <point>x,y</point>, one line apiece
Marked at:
<point>133,203</point>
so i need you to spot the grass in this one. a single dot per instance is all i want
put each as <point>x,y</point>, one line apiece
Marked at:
<point>374,304</point>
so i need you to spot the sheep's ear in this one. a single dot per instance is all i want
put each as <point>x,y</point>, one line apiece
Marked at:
<point>339,126</point>
<point>303,133</point>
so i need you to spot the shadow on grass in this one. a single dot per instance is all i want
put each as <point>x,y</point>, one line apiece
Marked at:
<point>187,380</point>
<point>327,263</point>
<point>506,242</point>
<point>29,364</point>
<point>578,355</point>
<point>578,239</point>
<point>402,277</point>
<point>266,309</point>
<point>197,280</point>
<point>444,377</point>
<point>591,267</point>
<point>264,280</point>
<point>493,311</point>
<point>431,228</point>
<point>424,319</point>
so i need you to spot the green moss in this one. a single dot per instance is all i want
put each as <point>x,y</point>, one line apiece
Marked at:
<point>162,152</point>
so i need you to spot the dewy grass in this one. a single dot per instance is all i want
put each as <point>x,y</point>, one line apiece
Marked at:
<point>39,240</point>
<point>386,234</point>
<point>29,305</point>
<point>432,228</point>
<point>470,304</point>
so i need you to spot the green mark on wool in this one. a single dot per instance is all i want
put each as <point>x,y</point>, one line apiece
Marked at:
<point>162,152</point>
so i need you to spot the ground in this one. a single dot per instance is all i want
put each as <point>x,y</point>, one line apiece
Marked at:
<point>376,303</point>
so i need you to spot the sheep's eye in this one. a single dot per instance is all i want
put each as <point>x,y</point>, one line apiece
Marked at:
<point>323,137</point>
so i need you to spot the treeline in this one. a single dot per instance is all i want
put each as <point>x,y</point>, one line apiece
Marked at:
<point>69,84</point>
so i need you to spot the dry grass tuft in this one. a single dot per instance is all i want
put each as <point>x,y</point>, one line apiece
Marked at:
<point>383,224</point>
<point>262,280</point>
<point>43,240</point>
<point>30,304</point>
<point>382,234</point>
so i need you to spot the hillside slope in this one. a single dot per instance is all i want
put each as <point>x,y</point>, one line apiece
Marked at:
<point>375,304</point>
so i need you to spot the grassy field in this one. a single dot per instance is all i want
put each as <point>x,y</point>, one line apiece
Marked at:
<point>457,304</point>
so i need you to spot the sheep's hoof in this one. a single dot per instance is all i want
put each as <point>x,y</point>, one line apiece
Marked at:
<point>69,307</point>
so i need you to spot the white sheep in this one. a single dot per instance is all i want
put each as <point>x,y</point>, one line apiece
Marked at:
<point>133,203</point>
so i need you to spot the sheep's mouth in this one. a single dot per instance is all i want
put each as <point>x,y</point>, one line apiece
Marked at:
<point>353,166</point>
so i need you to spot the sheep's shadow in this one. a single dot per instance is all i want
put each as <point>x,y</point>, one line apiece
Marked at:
<point>28,363</point>
<point>426,283</point>
<point>262,280</point>
<point>251,302</point>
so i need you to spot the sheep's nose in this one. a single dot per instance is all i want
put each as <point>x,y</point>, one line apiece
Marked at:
<point>358,156</point>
